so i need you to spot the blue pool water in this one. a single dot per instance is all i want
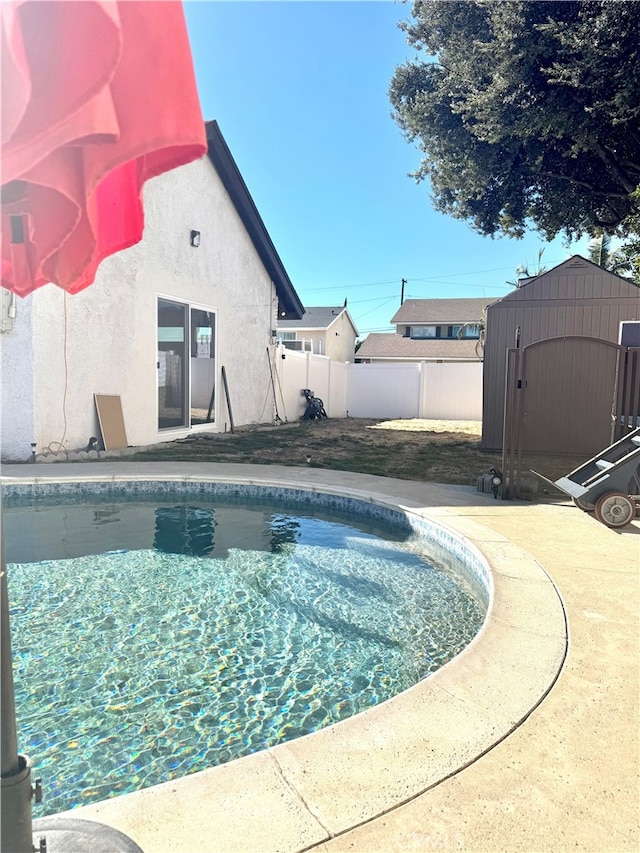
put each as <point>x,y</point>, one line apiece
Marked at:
<point>155,638</point>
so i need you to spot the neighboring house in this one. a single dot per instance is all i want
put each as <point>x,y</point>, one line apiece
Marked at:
<point>200,293</point>
<point>576,298</point>
<point>322,331</point>
<point>430,330</point>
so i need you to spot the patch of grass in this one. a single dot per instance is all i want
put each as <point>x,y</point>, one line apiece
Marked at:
<point>341,444</point>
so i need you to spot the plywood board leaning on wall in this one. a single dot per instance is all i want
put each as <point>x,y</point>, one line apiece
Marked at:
<point>114,434</point>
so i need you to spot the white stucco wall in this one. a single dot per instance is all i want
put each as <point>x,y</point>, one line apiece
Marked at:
<point>16,381</point>
<point>340,340</point>
<point>104,339</point>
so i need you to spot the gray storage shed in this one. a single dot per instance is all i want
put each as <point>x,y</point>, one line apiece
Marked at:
<point>575,298</point>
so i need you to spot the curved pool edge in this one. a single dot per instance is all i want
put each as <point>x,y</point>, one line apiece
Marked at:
<point>303,792</point>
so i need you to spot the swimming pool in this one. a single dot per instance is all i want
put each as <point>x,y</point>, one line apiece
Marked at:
<point>375,658</point>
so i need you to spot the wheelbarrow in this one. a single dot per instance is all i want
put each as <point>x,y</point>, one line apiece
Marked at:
<point>608,484</point>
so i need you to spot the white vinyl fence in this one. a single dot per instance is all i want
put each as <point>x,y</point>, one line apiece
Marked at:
<point>447,391</point>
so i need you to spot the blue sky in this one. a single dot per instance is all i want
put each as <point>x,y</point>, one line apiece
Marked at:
<point>300,91</point>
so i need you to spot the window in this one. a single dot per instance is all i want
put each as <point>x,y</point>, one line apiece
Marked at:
<point>471,330</point>
<point>421,332</point>
<point>452,332</point>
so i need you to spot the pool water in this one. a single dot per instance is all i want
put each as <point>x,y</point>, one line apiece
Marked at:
<point>204,631</point>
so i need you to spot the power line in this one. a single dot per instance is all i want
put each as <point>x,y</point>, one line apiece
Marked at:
<point>373,299</point>
<point>454,284</point>
<point>480,272</point>
<point>458,274</point>
<point>351,286</point>
<point>429,279</point>
<point>377,308</point>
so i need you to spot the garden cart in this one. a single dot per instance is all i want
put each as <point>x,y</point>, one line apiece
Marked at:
<point>608,484</point>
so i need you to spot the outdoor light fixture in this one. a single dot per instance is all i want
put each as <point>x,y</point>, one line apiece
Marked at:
<point>195,239</point>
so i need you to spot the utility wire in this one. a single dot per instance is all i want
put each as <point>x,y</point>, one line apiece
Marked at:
<point>437,279</point>
<point>377,308</point>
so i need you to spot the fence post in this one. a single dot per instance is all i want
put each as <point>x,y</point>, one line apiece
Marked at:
<point>422,390</point>
<point>626,409</point>
<point>511,424</point>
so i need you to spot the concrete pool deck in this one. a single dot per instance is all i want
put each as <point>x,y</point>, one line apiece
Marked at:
<point>527,741</point>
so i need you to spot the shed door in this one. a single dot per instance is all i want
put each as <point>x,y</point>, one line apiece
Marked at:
<point>569,385</point>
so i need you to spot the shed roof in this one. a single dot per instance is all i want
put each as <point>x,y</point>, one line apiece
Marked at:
<point>226,167</point>
<point>575,278</point>
<point>389,345</point>
<point>427,311</point>
<point>318,317</point>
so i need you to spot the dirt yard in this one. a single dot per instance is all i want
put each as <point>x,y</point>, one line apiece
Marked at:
<point>435,451</point>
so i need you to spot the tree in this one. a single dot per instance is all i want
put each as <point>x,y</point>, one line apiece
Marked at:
<point>602,253</point>
<point>527,113</point>
<point>523,271</point>
<point>629,265</point>
<point>624,261</point>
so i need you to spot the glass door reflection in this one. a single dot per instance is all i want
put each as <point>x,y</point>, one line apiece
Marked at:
<point>202,362</point>
<point>172,364</point>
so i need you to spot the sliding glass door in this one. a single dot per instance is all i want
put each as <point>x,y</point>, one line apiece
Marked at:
<point>202,366</point>
<point>185,365</point>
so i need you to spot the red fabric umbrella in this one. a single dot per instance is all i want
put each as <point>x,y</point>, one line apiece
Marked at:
<point>97,97</point>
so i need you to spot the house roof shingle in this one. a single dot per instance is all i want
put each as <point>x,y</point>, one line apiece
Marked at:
<point>388,345</point>
<point>317,318</point>
<point>428,311</point>
<point>313,318</point>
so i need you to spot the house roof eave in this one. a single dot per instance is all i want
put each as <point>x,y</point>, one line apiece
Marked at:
<point>226,167</point>
<point>317,318</point>
<point>575,261</point>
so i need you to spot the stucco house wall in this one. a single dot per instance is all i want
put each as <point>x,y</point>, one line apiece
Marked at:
<point>341,339</point>
<point>16,383</point>
<point>63,349</point>
<point>328,331</point>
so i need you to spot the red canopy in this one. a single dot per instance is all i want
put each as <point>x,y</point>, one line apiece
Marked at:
<point>97,97</point>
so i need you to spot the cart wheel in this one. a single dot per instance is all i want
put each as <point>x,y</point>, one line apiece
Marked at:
<point>585,506</point>
<point>615,509</point>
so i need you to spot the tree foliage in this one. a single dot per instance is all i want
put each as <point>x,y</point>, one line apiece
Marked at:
<point>527,112</point>
<point>624,261</point>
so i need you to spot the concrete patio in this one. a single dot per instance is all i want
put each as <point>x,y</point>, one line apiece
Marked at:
<point>527,741</point>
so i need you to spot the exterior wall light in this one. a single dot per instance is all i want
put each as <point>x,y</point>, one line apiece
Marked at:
<point>195,239</point>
